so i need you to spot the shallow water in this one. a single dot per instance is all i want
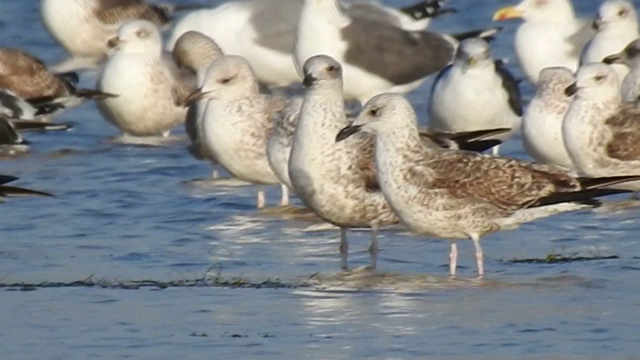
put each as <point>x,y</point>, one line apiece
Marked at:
<point>125,213</point>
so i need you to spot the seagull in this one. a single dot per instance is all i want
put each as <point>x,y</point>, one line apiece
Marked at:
<point>151,90</point>
<point>376,57</point>
<point>28,77</point>
<point>238,120</point>
<point>617,26</point>
<point>542,121</point>
<point>602,133</point>
<point>195,51</point>
<point>263,31</point>
<point>551,35</point>
<point>454,195</point>
<point>14,191</point>
<point>83,27</point>
<point>630,56</point>
<point>475,93</point>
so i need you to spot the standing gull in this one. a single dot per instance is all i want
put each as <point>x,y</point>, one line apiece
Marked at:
<point>151,90</point>
<point>454,194</point>
<point>237,121</point>
<point>376,56</point>
<point>630,56</point>
<point>195,51</point>
<point>542,121</point>
<point>336,181</point>
<point>83,27</point>
<point>617,26</point>
<point>475,93</point>
<point>263,31</point>
<point>602,133</point>
<point>551,35</point>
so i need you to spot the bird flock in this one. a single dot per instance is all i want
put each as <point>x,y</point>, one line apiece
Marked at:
<point>309,95</point>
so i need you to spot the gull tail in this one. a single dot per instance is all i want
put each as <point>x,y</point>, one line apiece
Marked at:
<point>468,140</point>
<point>35,125</point>
<point>486,34</point>
<point>17,191</point>
<point>427,9</point>
<point>93,94</point>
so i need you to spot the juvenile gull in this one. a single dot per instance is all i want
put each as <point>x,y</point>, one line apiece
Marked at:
<point>475,93</point>
<point>28,77</point>
<point>151,90</point>
<point>194,51</point>
<point>551,35</point>
<point>336,181</point>
<point>237,121</point>
<point>630,56</point>
<point>83,27</point>
<point>602,133</point>
<point>617,26</point>
<point>542,121</point>
<point>376,56</point>
<point>454,194</point>
<point>263,31</point>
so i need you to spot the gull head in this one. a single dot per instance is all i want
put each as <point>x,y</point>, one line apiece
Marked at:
<point>194,51</point>
<point>616,15</point>
<point>138,36</point>
<point>554,80</point>
<point>630,56</point>
<point>228,77</point>
<point>595,82</point>
<point>382,114</point>
<point>537,11</point>
<point>322,71</point>
<point>473,53</point>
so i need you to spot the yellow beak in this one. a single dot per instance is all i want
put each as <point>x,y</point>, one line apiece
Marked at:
<point>507,13</point>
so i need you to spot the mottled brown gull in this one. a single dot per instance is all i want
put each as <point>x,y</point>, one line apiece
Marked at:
<point>551,35</point>
<point>630,56</point>
<point>237,121</point>
<point>151,90</point>
<point>454,194</point>
<point>601,132</point>
<point>542,121</point>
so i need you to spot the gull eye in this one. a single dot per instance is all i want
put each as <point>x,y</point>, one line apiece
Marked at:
<point>142,33</point>
<point>373,112</point>
<point>331,68</point>
<point>599,78</point>
<point>622,13</point>
<point>225,80</point>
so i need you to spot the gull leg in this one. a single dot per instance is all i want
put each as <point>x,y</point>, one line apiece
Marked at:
<point>344,248</point>
<point>373,249</point>
<point>166,134</point>
<point>479,254</point>
<point>495,150</point>
<point>285,195</point>
<point>214,174</point>
<point>261,200</point>
<point>453,259</point>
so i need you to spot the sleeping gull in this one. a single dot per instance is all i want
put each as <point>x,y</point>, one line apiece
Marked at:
<point>602,133</point>
<point>194,51</point>
<point>630,56</point>
<point>551,35</point>
<point>237,121</point>
<point>151,90</point>
<point>454,194</point>
<point>617,26</point>
<point>28,77</point>
<point>263,31</point>
<point>475,93</point>
<point>376,56</point>
<point>542,121</point>
<point>83,27</point>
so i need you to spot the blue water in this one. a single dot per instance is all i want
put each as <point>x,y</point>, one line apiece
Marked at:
<point>125,213</point>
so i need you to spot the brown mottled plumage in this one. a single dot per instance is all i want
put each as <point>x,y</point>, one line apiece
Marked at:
<point>28,77</point>
<point>117,11</point>
<point>625,131</point>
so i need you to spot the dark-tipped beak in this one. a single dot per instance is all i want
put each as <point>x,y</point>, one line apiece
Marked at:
<point>308,80</point>
<point>571,90</point>
<point>612,59</point>
<point>195,96</point>
<point>348,131</point>
<point>596,25</point>
<point>113,42</point>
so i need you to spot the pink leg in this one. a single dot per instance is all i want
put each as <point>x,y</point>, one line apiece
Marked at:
<point>479,254</point>
<point>344,248</point>
<point>373,249</point>
<point>453,259</point>
<point>262,202</point>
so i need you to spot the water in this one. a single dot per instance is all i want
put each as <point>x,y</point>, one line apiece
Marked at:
<point>125,213</point>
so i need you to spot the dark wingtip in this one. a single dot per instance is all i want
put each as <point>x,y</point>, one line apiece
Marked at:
<point>347,132</point>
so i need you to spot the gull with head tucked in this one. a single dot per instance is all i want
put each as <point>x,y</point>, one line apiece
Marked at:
<point>454,195</point>
<point>151,90</point>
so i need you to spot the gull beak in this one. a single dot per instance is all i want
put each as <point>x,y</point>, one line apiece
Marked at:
<point>597,24</point>
<point>571,90</point>
<point>113,42</point>
<point>506,13</point>
<point>613,59</point>
<point>308,80</point>
<point>195,96</point>
<point>347,132</point>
